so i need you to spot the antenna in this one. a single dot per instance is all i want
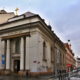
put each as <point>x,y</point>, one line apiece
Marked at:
<point>17,9</point>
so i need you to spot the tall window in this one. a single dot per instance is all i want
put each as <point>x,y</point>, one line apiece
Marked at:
<point>12,45</point>
<point>52,55</point>
<point>58,56</point>
<point>17,45</point>
<point>61,59</point>
<point>44,51</point>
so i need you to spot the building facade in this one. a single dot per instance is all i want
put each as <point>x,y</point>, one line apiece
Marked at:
<point>70,59</point>
<point>29,46</point>
<point>60,56</point>
<point>4,16</point>
<point>78,62</point>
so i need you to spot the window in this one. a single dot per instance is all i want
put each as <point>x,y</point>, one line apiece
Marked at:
<point>17,45</point>
<point>61,59</point>
<point>12,45</point>
<point>52,55</point>
<point>44,51</point>
<point>58,56</point>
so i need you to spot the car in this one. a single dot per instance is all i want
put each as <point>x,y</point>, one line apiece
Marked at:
<point>75,70</point>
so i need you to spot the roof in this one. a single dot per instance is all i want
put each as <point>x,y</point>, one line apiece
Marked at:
<point>30,15</point>
<point>26,14</point>
<point>68,46</point>
<point>3,12</point>
<point>78,58</point>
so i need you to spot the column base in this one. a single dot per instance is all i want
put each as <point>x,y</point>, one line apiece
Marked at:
<point>2,71</point>
<point>7,72</point>
<point>22,73</point>
<point>36,74</point>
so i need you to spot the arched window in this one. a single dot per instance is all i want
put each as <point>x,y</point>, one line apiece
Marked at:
<point>44,51</point>
<point>52,55</point>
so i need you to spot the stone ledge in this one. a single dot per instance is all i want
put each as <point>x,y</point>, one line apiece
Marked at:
<point>36,74</point>
<point>2,72</point>
<point>22,73</point>
<point>7,72</point>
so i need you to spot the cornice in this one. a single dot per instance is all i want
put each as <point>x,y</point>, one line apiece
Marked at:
<point>19,27</point>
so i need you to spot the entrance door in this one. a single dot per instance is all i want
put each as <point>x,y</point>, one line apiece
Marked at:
<point>16,65</point>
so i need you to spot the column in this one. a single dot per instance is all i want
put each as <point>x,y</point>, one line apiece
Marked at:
<point>3,46</point>
<point>4,53</point>
<point>8,55</point>
<point>27,54</point>
<point>22,54</point>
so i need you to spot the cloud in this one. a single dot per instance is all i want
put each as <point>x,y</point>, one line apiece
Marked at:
<point>68,24</point>
<point>64,15</point>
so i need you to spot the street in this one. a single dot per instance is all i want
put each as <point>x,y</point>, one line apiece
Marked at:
<point>73,76</point>
<point>76,76</point>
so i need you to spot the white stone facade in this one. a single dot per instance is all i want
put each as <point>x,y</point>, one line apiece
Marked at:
<point>21,41</point>
<point>31,58</point>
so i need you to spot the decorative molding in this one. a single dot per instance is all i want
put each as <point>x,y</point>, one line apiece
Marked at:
<point>16,35</point>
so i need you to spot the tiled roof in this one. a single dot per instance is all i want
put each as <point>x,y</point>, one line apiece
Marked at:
<point>68,46</point>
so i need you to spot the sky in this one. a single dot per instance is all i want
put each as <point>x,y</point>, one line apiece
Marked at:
<point>62,15</point>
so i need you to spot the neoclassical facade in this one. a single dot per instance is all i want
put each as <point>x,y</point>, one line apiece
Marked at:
<point>27,46</point>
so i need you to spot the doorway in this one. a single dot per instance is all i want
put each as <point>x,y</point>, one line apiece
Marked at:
<point>16,65</point>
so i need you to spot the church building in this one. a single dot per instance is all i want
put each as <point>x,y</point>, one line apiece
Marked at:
<point>27,46</point>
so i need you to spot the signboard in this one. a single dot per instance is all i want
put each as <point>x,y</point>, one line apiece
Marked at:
<point>69,65</point>
<point>3,59</point>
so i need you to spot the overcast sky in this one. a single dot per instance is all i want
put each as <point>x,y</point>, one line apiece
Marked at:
<point>63,15</point>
